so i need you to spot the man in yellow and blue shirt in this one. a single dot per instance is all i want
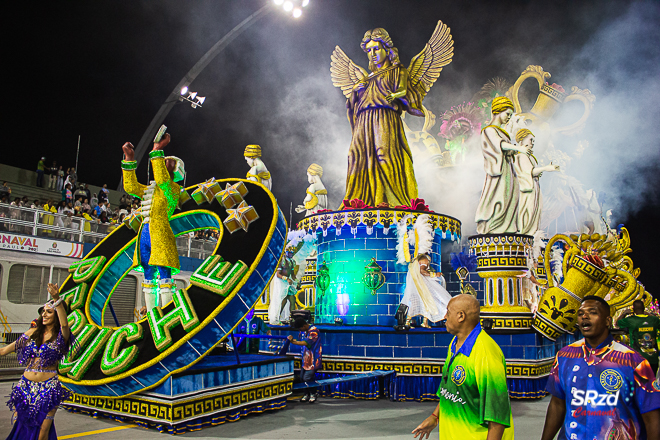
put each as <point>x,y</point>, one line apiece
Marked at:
<point>474,398</point>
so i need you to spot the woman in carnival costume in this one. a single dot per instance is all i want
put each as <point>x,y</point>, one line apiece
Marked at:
<point>424,293</point>
<point>38,394</point>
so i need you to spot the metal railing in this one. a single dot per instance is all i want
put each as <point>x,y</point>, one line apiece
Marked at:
<point>40,223</point>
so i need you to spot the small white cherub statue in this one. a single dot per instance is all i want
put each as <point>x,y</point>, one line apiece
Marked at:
<point>258,171</point>
<point>317,196</point>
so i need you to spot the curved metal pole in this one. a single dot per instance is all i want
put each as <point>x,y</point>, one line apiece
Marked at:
<point>173,97</point>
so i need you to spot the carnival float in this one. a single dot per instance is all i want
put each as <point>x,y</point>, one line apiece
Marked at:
<point>536,250</point>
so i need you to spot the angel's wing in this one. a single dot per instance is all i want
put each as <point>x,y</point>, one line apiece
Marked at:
<point>426,66</point>
<point>344,72</point>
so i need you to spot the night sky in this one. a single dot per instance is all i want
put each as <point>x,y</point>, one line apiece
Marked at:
<point>102,69</point>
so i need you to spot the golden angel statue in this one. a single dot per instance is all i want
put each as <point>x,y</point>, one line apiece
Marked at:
<point>380,165</point>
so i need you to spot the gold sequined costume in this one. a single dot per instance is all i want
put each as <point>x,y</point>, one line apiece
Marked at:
<point>163,196</point>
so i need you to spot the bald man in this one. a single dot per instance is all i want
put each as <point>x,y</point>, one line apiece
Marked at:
<point>474,398</point>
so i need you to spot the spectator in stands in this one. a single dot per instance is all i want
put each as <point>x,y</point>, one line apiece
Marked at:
<point>88,193</point>
<point>15,213</point>
<point>68,194</point>
<point>49,206</point>
<point>4,212</point>
<point>41,166</point>
<point>60,178</point>
<point>103,194</point>
<point>99,209</point>
<point>80,192</point>
<point>52,181</point>
<point>59,218</point>
<point>35,204</point>
<point>103,218</point>
<point>85,205</point>
<point>70,180</point>
<point>73,174</point>
<point>94,201</point>
<point>5,190</point>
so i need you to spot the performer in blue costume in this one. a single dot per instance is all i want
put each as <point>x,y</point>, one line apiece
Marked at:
<point>38,394</point>
<point>156,250</point>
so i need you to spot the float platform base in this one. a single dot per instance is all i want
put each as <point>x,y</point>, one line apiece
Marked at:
<point>213,391</point>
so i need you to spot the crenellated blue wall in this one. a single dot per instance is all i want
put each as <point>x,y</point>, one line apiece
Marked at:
<point>346,255</point>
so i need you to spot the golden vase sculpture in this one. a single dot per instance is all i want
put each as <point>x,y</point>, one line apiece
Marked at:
<point>549,100</point>
<point>557,312</point>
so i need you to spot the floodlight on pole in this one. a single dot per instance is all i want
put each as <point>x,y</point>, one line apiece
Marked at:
<point>297,12</point>
<point>279,2</point>
<point>194,103</point>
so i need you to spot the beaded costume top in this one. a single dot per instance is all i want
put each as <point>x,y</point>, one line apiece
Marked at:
<point>49,353</point>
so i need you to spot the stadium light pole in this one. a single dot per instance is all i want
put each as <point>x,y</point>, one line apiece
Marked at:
<point>293,7</point>
<point>174,95</point>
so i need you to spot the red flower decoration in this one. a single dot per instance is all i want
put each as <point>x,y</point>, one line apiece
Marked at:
<point>323,210</point>
<point>355,204</point>
<point>383,205</point>
<point>415,205</point>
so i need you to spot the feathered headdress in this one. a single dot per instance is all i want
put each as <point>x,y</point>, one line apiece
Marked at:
<point>420,238</point>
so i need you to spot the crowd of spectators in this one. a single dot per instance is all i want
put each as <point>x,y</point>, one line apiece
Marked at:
<point>78,209</point>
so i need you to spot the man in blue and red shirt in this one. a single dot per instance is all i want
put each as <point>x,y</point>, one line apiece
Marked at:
<point>601,389</point>
<point>311,354</point>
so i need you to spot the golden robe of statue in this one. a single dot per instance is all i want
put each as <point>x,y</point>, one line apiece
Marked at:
<point>380,165</point>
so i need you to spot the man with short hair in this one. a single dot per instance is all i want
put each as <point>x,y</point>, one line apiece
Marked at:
<point>311,355</point>
<point>643,330</point>
<point>474,398</point>
<point>601,389</point>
